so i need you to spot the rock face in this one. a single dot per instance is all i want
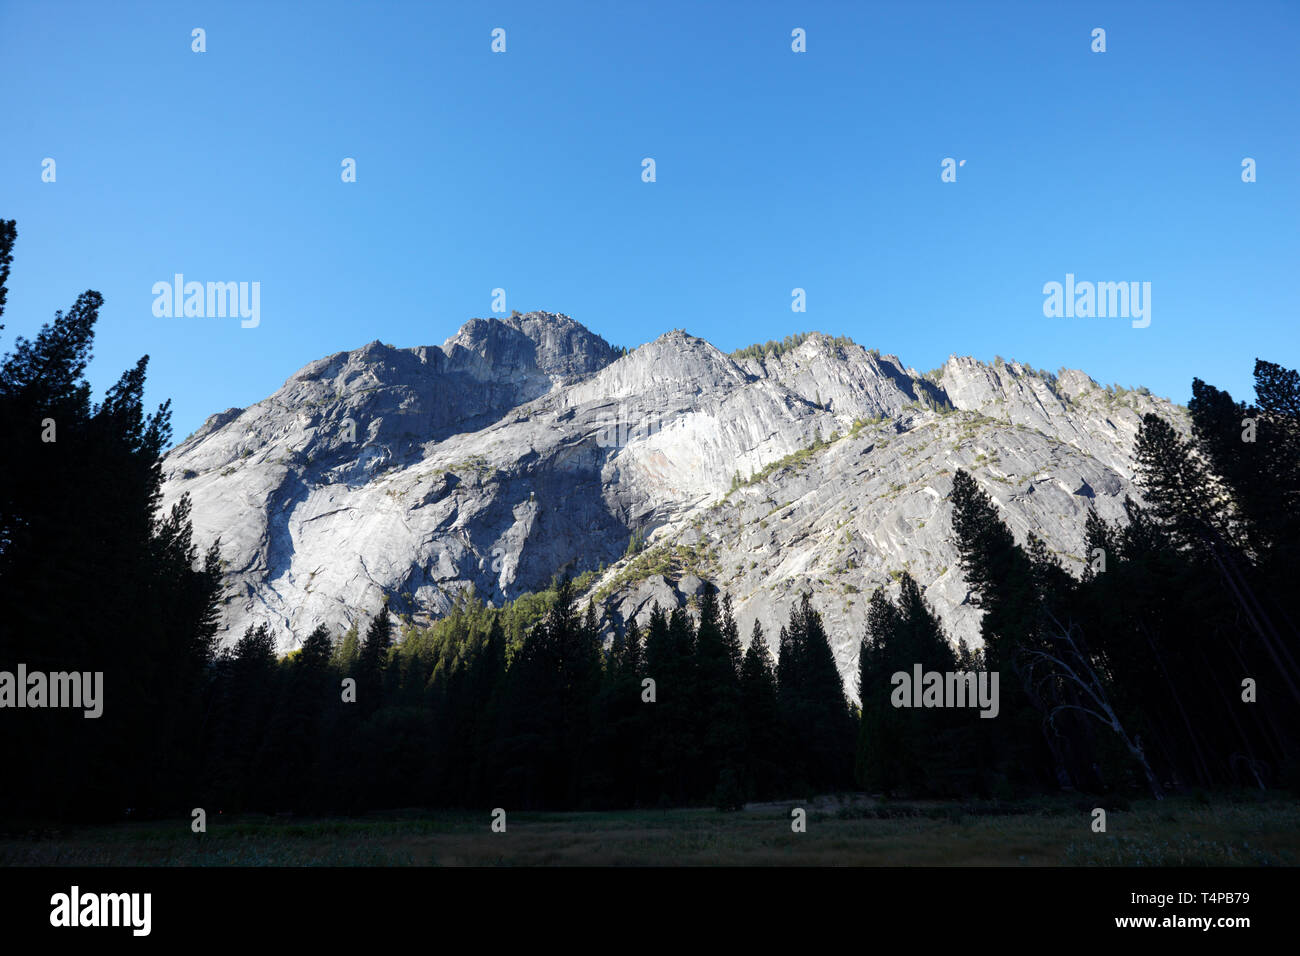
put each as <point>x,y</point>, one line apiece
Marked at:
<point>528,447</point>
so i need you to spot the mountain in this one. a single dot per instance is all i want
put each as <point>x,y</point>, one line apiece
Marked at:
<point>527,447</point>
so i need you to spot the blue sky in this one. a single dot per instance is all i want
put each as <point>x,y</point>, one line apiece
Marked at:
<point>775,170</point>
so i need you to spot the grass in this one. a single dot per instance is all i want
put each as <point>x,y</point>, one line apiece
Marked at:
<point>668,560</point>
<point>793,460</point>
<point>800,457</point>
<point>851,830</point>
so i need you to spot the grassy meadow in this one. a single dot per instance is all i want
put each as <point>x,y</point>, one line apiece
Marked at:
<point>842,830</point>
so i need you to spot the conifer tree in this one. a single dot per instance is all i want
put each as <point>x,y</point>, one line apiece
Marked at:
<point>758,695</point>
<point>1004,582</point>
<point>717,708</point>
<point>371,659</point>
<point>347,652</point>
<point>996,570</point>
<point>819,725</point>
<point>877,762</point>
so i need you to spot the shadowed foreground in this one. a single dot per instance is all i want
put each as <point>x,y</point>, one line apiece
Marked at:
<point>840,832</point>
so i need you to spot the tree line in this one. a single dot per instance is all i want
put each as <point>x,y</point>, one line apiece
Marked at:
<point>456,714</point>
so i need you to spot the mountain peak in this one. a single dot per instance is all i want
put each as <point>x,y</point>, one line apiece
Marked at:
<point>551,342</point>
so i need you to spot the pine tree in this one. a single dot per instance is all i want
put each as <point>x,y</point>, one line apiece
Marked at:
<point>348,652</point>
<point>1004,583</point>
<point>717,708</point>
<point>250,688</point>
<point>762,768</point>
<point>620,722</point>
<point>819,725</point>
<point>877,761</point>
<point>371,660</point>
<point>313,690</point>
<point>995,568</point>
<point>588,785</point>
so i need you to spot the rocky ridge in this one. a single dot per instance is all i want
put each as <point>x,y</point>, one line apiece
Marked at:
<point>527,447</point>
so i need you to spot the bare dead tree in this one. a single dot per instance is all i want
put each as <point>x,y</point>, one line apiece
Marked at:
<point>1062,660</point>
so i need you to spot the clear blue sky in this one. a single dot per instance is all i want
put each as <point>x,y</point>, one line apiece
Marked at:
<point>522,170</point>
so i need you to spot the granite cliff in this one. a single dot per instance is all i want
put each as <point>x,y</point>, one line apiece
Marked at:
<point>527,447</point>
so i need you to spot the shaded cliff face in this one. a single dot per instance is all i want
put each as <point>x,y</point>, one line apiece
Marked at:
<point>527,447</point>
